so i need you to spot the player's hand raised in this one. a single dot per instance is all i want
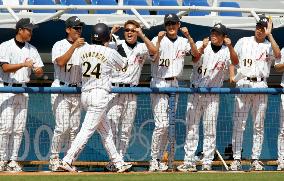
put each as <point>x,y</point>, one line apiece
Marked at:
<point>205,42</point>
<point>184,31</point>
<point>139,32</point>
<point>115,29</point>
<point>227,41</point>
<point>79,42</point>
<point>268,29</point>
<point>161,35</point>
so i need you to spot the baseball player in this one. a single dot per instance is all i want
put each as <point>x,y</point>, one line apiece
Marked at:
<point>279,66</point>
<point>210,71</point>
<point>256,55</point>
<point>98,62</point>
<point>165,70</point>
<point>122,109</point>
<point>66,107</point>
<point>18,59</point>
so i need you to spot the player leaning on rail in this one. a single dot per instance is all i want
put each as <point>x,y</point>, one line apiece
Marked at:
<point>256,55</point>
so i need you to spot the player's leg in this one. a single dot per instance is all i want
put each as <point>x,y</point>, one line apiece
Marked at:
<point>75,115</point>
<point>242,107</point>
<point>280,143</point>
<point>20,118</point>
<point>107,140</point>
<point>258,115</point>
<point>209,130</point>
<point>95,102</point>
<point>127,122</point>
<point>193,115</point>
<point>6,122</point>
<point>160,134</point>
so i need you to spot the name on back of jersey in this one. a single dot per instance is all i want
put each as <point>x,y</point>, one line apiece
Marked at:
<point>92,54</point>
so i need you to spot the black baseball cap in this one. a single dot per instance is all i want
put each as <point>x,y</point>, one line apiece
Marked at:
<point>73,21</point>
<point>171,18</point>
<point>25,23</point>
<point>220,28</point>
<point>263,21</point>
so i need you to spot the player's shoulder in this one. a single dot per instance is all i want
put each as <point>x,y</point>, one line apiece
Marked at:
<point>61,42</point>
<point>30,46</point>
<point>8,42</point>
<point>245,39</point>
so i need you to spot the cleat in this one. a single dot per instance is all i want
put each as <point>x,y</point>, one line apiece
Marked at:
<point>66,166</point>
<point>236,165</point>
<point>3,166</point>
<point>54,164</point>
<point>187,168</point>
<point>280,166</point>
<point>124,167</point>
<point>111,167</point>
<point>13,166</point>
<point>257,166</point>
<point>206,167</point>
<point>154,166</point>
<point>163,167</point>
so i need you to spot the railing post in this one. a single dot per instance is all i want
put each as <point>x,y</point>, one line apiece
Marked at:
<point>172,130</point>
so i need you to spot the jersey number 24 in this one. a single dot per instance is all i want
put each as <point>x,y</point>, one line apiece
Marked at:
<point>91,70</point>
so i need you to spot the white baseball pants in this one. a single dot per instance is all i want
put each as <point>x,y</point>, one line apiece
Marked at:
<point>281,132</point>
<point>208,106</point>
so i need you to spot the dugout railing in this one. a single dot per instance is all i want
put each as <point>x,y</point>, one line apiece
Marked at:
<point>37,138</point>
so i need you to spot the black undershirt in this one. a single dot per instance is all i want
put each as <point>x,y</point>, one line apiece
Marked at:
<point>19,44</point>
<point>71,42</point>
<point>172,39</point>
<point>131,45</point>
<point>215,48</point>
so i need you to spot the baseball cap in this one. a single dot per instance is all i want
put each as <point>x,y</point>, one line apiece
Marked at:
<point>219,27</point>
<point>171,18</point>
<point>25,23</point>
<point>263,21</point>
<point>73,21</point>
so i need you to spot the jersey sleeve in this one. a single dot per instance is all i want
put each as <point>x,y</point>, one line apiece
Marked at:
<point>56,51</point>
<point>116,60</point>
<point>4,54</point>
<point>280,60</point>
<point>199,44</point>
<point>37,59</point>
<point>238,46</point>
<point>187,46</point>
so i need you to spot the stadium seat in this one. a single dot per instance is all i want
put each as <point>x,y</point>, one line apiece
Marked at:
<point>165,3</point>
<point>230,4</point>
<point>42,2</point>
<point>105,2</point>
<point>196,3</point>
<point>137,3</point>
<point>77,2</point>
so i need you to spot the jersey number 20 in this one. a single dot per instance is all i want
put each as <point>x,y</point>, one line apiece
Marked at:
<point>91,71</point>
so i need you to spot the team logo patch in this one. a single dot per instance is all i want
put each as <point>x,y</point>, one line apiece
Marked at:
<point>180,54</point>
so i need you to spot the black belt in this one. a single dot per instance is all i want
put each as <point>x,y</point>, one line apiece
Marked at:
<point>170,78</point>
<point>254,79</point>
<point>192,85</point>
<point>69,85</point>
<point>13,84</point>
<point>121,85</point>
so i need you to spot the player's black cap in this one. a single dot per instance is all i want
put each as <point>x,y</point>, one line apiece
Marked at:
<point>263,21</point>
<point>171,18</point>
<point>25,23</point>
<point>73,21</point>
<point>220,28</point>
<point>101,33</point>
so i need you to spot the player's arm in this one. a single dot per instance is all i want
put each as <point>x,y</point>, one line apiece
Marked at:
<point>201,49</point>
<point>233,55</point>
<point>62,60</point>
<point>8,68</point>
<point>232,73</point>
<point>150,46</point>
<point>194,50</point>
<point>279,66</point>
<point>274,45</point>
<point>156,56</point>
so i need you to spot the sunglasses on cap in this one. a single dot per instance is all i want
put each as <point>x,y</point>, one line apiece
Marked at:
<point>77,27</point>
<point>169,23</point>
<point>129,30</point>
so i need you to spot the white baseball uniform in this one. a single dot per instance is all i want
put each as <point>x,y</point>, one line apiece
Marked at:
<point>122,108</point>
<point>281,125</point>
<point>255,60</point>
<point>164,74</point>
<point>97,64</point>
<point>14,106</point>
<point>65,107</point>
<point>209,71</point>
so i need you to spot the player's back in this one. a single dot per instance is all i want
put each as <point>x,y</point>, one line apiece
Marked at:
<point>97,64</point>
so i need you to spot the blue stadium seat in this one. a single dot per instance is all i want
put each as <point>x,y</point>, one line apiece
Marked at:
<point>42,2</point>
<point>104,2</point>
<point>196,3</point>
<point>230,4</point>
<point>165,3</point>
<point>77,2</point>
<point>137,3</point>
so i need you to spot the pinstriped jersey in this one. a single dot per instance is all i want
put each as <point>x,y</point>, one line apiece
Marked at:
<point>255,59</point>
<point>171,60</point>
<point>12,54</point>
<point>98,63</point>
<point>71,72</point>
<point>135,59</point>
<point>212,67</point>
<point>282,62</point>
